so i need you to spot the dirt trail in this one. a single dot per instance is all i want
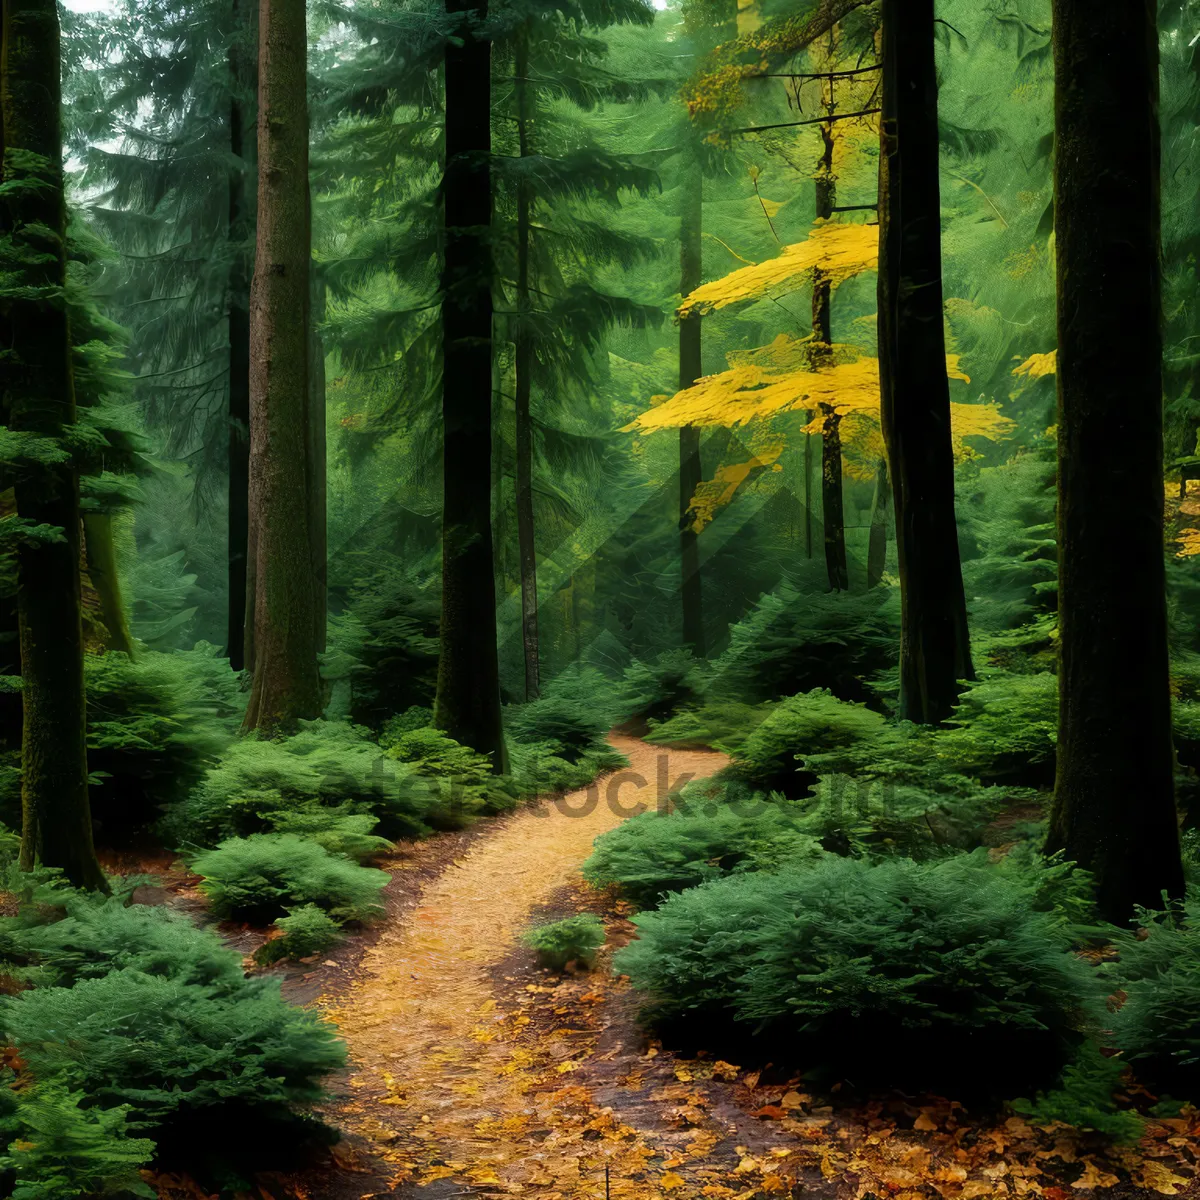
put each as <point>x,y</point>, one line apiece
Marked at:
<point>449,1081</point>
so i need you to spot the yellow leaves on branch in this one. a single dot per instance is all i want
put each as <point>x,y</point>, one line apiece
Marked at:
<point>781,378</point>
<point>1038,365</point>
<point>838,250</point>
<point>713,494</point>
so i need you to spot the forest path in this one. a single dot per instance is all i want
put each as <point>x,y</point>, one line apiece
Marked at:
<point>455,1075</point>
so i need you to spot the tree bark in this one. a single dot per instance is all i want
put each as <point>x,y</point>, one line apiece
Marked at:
<point>526,543</point>
<point>877,547</point>
<point>100,553</point>
<point>468,693</point>
<point>935,650</point>
<point>318,481</point>
<point>286,684</point>
<point>832,509</point>
<point>691,368</point>
<point>40,400</point>
<point>239,628</point>
<point>1114,807</point>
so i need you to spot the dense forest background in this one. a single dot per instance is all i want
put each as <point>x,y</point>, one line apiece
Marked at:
<point>414,410</point>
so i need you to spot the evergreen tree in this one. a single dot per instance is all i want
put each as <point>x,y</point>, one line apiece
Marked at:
<point>549,187</point>
<point>468,692</point>
<point>915,397</point>
<point>1114,807</point>
<point>286,684</point>
<point>40,410</point>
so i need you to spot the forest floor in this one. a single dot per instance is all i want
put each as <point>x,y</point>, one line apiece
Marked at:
<point>475,1074</point>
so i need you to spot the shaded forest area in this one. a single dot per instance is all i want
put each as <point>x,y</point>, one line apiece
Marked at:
<point>599,599</point>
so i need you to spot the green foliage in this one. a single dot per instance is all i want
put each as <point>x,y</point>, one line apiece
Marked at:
<point>656,689</point>
<point>720,724</point>
<point>655,852</point>
<point>574,939</point>
<point>914,964</point>
<point>811,723</point>
<point>794,640</point>
<point>258,877</point>
<point>307,930</point>
<point>155,723</point>
<point>63,1148</point>
<point>461,778</point>
<point>1158,1026</point>
<point>162,1046</point>
<point>1084,1098</point>
<point>311,782</point>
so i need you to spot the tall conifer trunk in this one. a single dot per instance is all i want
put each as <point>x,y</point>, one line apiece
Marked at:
<point>877,547</point>
<point>40,400</point>
<point>935,651</point>
<point>318,465</point>
<point>468,692</point>
<point>832,507</point>
<point>1114,807</point>
<point>100,553</point>
<point>526,540</point>
<point>691,468</point>
<point>286,680</point>
<point>241,84</point>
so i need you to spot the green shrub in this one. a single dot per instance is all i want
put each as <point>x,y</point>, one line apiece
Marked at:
<point>258,877</point>
<point>575,939</point>
<point>327,768</point>
<point>558,721</point>
<point>655,853</point>
<point>537,768</point>
<point>160,1045</point>
<point>893,971</point>
<point>416,717</point>
<point>461,779</point>
<point>1158,1026</point>
<point>1004,729</point>
<point>62,1148</point>
<point>1084,1098</point>
<point>794,728</point>
<point>86,937</point>
<point>307,930</point>
<point>656,689</point>
<point>721,724</point>
<point>339,830</point>
<point>796,640</point>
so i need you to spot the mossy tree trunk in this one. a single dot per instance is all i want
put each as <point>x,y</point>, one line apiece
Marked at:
<point>1114,807</point>
<point>526,529</point>
<point>239,629</point>
<point>935,651</point>
<point>100,553</point>
<point>468,691</point>
<point>691,467</point>
<point>40,400</point>
<point>286,685</point>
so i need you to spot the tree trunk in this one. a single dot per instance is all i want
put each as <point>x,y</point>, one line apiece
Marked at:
<point>468,693</point>
<point>832,514</point>
<point>526,544</point>
<point>318,482</point>
<point>241,83</point>
<point>40,400</point>
<point>286,684</point>
<point>100,553</point>
<point>935,651</point>
<point>691,368</point>
<point>877,547</point>
<point>1114,807</point>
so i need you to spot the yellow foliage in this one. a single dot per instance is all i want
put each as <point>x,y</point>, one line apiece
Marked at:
<point>839,250</point>
<point>1038,365</point>
<point>715,493</point>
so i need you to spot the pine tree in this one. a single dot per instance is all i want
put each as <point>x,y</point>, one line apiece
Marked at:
<point>468,692</point>
<point>1114,807</point>
<point>915,397</point>
<point>39,405</point>
<point>286,684</point>
<point>559,316</point>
